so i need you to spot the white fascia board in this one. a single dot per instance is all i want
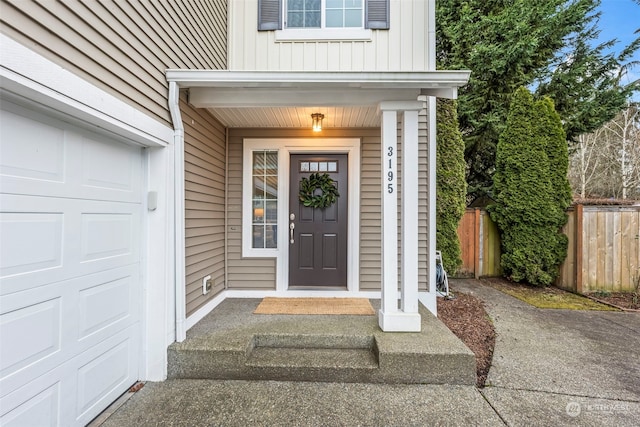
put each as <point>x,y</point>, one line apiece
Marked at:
<point>442,92</point>
<point>29,75</point>
<point>401,105</point>
<point>207,97</point>
<point>238,89</point>
<point>314,79</point>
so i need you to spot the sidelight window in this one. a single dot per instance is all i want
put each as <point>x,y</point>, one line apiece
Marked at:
<point>264,200</point>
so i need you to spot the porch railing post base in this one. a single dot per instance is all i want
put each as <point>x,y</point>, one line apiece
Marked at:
<point>399,321</point>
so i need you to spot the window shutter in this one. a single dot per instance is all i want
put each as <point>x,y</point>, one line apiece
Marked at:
<point>376,14</point>
<point>269,15</point>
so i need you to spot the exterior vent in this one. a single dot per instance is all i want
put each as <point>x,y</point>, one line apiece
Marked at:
<point>269,15</point>
<point>377,14</point>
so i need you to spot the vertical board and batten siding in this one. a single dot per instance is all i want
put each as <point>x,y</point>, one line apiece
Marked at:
<point>401,48</point>
<point>123,47</point>
<point>205,166</point>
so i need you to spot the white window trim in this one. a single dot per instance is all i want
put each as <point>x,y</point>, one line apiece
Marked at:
<point>321,34</point>
<point>286,147</point>
<point>247,201</point>
<point>324,32</point>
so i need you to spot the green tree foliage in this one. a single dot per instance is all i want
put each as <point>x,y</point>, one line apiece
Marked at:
<point>586,83</point>
<point>508,44</point>
<point>451,188</point>
<point>531,191</point>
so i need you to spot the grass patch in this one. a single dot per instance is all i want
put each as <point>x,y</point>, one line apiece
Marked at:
<point>550,297</point>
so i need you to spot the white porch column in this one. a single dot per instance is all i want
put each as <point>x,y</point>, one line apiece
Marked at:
<point>405,318</point>
<point>389,216</point>
<point>409,295</point>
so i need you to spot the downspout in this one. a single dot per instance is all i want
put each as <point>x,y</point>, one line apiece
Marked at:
<point>179,242</point>
<point>226,208</point>
<point>431,156</point>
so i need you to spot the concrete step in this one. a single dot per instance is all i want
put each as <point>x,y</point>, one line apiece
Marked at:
<point>312,358</point>
<point>232,343</point>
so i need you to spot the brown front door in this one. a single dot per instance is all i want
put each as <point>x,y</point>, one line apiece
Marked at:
<point>318,249</point>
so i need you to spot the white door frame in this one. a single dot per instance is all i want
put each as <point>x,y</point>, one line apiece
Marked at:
<point>286,147</point>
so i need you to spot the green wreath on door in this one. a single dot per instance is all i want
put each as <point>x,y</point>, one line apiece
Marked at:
<point>328,191</point>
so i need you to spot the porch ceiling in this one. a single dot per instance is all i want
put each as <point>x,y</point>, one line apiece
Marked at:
<point>287,99</point>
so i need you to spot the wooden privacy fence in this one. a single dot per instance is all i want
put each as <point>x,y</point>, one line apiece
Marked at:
<point>603,252</point>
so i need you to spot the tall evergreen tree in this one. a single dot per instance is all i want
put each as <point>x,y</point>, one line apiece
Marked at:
<point>586,81</point>
<point>530,192</point>
<point>508,44</point>
<point>451,188</point>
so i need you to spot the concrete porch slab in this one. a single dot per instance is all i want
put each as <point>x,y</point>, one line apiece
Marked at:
<point>233,343</point>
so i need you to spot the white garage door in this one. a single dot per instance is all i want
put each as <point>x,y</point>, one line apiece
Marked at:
<point>70,230</point>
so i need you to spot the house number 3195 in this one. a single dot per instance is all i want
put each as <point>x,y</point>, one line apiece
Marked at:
<point>391,182</point>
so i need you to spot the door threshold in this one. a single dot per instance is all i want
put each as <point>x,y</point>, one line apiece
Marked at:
<point>318,288</point>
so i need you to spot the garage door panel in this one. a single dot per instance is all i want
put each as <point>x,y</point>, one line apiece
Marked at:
<point>30,149</point>
<point>105,373</point>
<point>38,158</point>
<point>93,308</point>
<point>71,228</point>
<point>29,334</point>
<point>107,235</point>
<point>41,409</point>
<point>98,172</point>
<point>35,250</point>
<point>32,241</point>
<point>65,395</point>
<point>105,305</point>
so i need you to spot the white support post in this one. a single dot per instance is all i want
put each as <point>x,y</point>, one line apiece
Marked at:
<point>391,317</point>
<point>389,243</point>
<point>430,300</point>
<point>409,294</point>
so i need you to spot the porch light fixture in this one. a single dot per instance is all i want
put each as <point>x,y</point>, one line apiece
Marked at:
<point>316,122</point>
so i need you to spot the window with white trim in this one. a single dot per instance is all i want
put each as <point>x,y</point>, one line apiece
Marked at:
<point>264,199</point>
<point>324,14</point>
<point>349,18</point>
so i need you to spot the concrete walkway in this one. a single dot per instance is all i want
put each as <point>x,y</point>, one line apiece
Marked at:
<point>550,367</point>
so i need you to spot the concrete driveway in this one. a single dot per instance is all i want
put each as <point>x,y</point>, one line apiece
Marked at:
<point>550,367</point>
<point>561,367</point>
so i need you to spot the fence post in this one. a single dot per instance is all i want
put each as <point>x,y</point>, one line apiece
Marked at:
<point>476,244</point>
<point>579,247</point>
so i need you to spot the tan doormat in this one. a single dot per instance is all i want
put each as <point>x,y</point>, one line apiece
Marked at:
<point>357,306</point>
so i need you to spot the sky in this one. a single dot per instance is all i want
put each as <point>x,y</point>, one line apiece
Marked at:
<point>619,20</point>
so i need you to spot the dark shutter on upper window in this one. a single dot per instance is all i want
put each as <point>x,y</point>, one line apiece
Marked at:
<point>269,15</point>
<point>376,14</point>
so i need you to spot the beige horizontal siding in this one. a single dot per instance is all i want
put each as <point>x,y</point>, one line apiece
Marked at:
<point>260,273</point>
<point>123,47</point>
<point>243,273</point>
<point>370,214</point>
<point>205,166</point>
<point>423,195</point>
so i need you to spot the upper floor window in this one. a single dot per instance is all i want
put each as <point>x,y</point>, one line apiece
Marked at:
<point>336,16</point>
<point>324,14</point>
